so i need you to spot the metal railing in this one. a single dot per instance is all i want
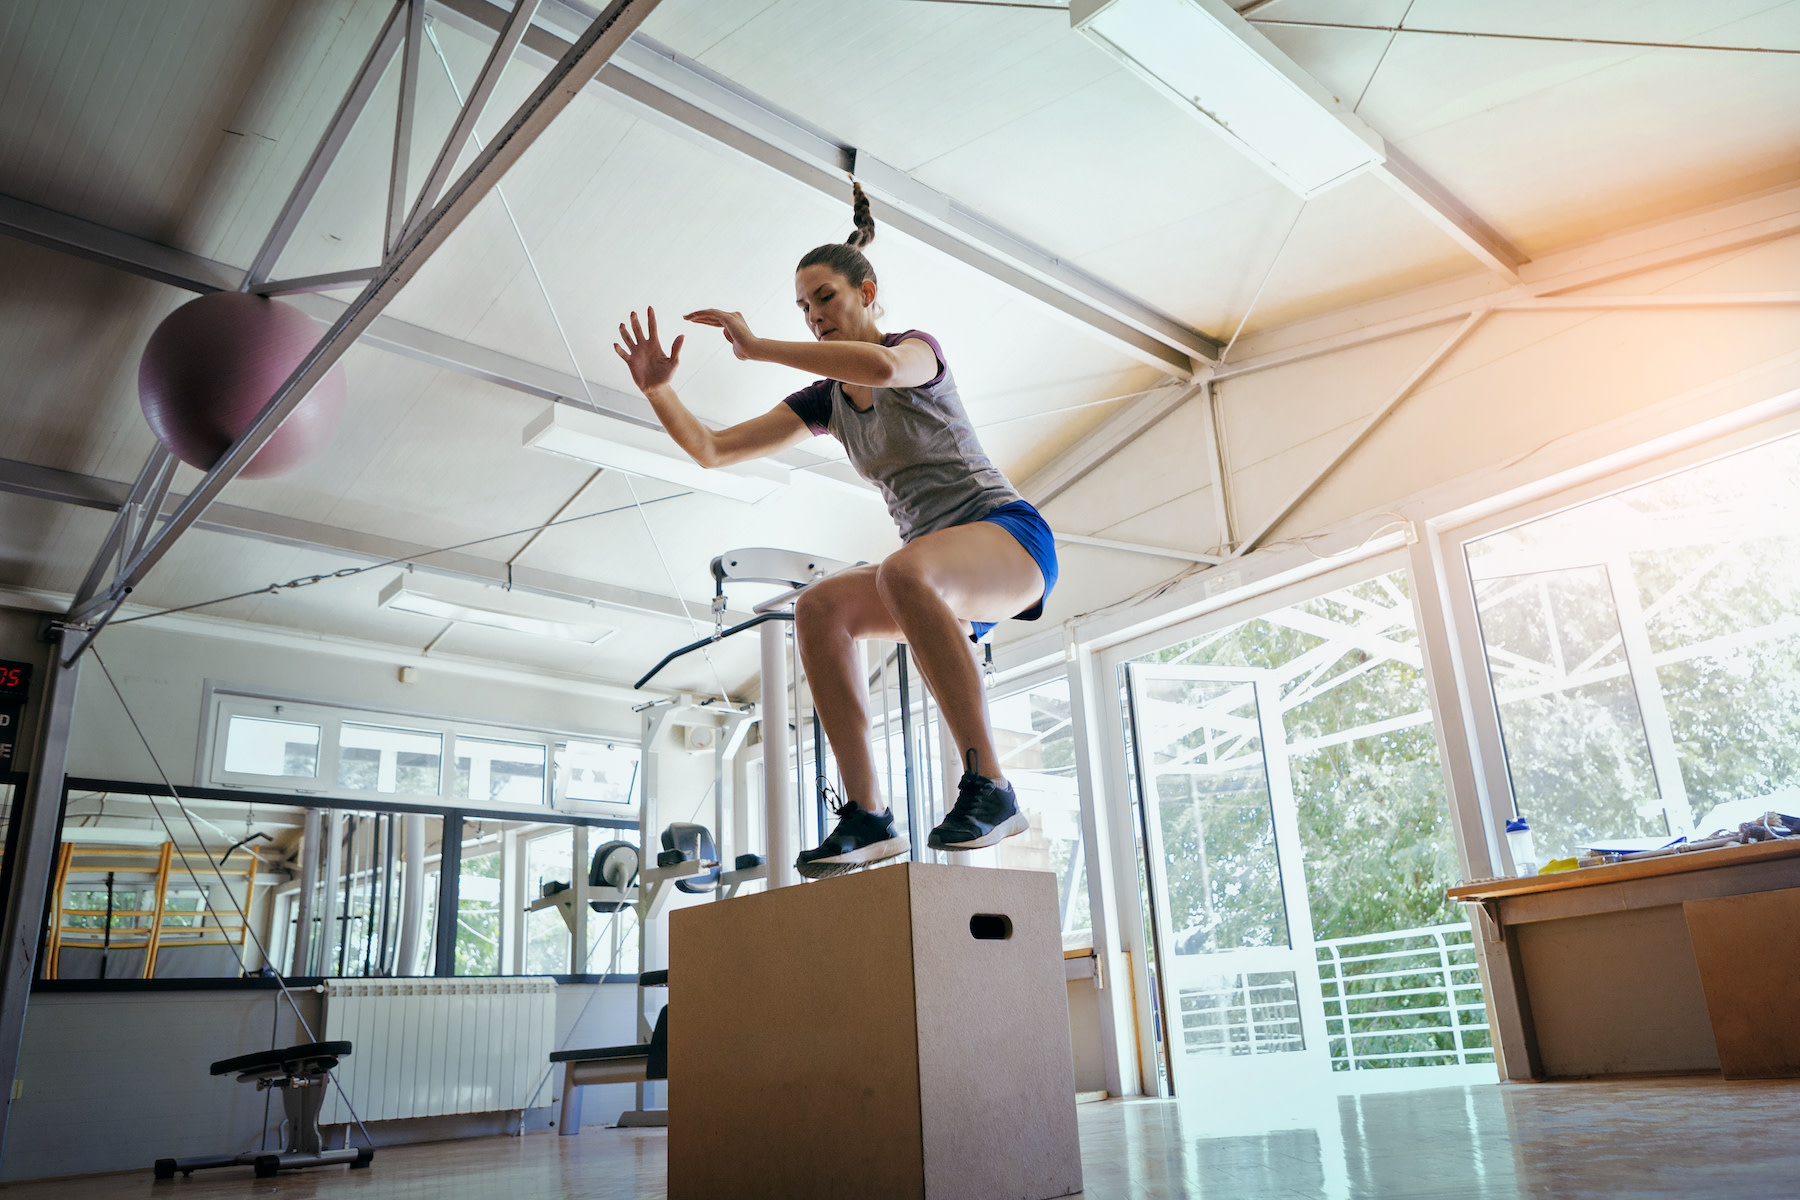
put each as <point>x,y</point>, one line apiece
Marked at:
<point>1405,998</point>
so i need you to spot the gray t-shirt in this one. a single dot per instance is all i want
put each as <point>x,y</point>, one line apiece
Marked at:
<point>915,444</point>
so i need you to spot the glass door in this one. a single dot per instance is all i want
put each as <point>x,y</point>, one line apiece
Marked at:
<point>1239,987</point>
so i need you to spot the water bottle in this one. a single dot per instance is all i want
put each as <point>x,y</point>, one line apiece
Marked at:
<point>1518,840</point>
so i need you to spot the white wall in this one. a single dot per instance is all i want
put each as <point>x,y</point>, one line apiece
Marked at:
<point>113,1081</point>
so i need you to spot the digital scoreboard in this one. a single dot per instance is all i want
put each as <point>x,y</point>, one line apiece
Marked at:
<point>15,685</point>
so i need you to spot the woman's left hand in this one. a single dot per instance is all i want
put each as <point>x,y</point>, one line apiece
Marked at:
<point>737,331</point>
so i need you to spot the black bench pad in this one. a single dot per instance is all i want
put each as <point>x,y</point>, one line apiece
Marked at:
<point>601,1054</point>
<point>318,1055</point>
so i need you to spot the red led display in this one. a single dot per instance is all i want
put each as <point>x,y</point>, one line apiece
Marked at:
<point>15,680</point>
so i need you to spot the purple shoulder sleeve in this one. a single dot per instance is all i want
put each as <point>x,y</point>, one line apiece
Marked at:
<point>894,339</point>
<point>812,404</point>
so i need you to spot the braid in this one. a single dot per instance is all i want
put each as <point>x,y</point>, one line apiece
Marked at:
<point>846,257</point>
<point>865,222</point>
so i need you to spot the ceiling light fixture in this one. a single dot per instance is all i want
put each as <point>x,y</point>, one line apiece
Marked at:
<point>401,598</point>
<point>1211,62</point>
<point>603,442</point>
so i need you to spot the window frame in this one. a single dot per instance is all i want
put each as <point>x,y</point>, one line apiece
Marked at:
<point>220,702</point>
<point>1449,537</point>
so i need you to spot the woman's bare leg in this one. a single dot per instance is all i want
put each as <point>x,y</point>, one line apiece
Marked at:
<point>932,588</point>
<point>829,619</point>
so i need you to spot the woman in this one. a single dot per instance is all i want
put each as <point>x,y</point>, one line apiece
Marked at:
<point>975,552</point>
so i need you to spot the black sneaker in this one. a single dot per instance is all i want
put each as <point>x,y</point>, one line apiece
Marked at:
<point>859,839</point>
<point>985,813</point>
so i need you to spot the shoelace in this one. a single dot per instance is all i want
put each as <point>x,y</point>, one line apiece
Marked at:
<point>966,787</point>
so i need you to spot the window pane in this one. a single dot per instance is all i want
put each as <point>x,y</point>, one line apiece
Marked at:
<point>498,772</point>
<point>1218,824</point>
<point>103,919</point>
<point>479,905</point>
<point>597,772</point>
<point>258,746</point>
<point>1036,743</point>
<point>1645,652</point>
<point>1574,735</point>
<point>374,758</point>
<point>549,870</point>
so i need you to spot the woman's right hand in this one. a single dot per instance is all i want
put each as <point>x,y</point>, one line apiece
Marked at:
<point>643,354</point>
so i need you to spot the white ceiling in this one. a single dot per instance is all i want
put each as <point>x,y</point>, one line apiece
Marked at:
<point>188,123</point>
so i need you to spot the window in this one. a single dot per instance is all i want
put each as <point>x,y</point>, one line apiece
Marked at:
<point>1302,737</point>
<point>261,746</point>
<point>372,758</point>
<point>599,772</point>
<point>1644,652</point>
<point>1036,744</point>
<point>498,772</point>
<point>320,750</point>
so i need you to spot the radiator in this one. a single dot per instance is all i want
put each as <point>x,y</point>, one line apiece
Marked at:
<point>429,1047</point>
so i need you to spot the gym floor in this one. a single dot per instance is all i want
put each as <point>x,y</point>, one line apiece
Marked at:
<point>1676,1138</point>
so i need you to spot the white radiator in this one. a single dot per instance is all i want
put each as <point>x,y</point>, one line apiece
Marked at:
<point>428,1047</point>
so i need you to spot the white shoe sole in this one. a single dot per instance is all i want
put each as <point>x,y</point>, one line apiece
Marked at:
<point>1005,829</point>
<point>863,856</point>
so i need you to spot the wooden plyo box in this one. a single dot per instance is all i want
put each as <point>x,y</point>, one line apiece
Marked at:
<point>873,1035</point>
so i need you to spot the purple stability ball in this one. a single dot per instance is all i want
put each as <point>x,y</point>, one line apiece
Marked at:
<point>211,366</point>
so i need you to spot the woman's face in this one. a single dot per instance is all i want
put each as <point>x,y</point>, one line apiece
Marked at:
<point>832,308</point>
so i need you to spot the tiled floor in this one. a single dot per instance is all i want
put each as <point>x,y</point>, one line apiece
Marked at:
<point>1675,1138</point>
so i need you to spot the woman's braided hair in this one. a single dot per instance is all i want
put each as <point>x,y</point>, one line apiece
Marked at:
<point>846,257</point>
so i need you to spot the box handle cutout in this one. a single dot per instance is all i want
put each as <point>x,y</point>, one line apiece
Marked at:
<point>990,927</point>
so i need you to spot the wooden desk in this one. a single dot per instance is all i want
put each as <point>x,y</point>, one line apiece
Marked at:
<point>1602,961</point>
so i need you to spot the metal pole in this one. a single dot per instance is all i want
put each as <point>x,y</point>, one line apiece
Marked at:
<point>906,739</point>
<point>300,963</point>
<point>326,942</point>
<point>449,875</point>
<point>36,815</point>
<point>383,964</point>
<point>775,753</point>
<point>412,894</point>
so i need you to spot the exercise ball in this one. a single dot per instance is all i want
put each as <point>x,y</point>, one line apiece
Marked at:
<point>211,366</point>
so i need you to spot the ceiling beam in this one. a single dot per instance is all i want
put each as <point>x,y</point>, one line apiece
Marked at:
<point>123,251</point>
<point>191,272</point>
<point>108,495</point>
<point>1449,214</point>
<point>662,83</point>
<point>1098,445</point>
<point>558,88</point>
<point>325,153</point>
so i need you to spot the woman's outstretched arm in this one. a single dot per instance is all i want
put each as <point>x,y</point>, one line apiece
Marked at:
<point>652,370</point>
<point>871,364</point>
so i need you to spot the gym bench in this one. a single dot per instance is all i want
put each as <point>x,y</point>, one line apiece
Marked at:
<point>301,1073</point>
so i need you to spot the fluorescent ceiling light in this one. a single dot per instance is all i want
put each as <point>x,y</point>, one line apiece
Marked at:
<point>604,442</point>
<point>398,596</point>
<point>1211,62</point>
<point>112,835</point>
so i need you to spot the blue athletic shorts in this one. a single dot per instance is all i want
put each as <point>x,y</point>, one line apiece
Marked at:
<point>1028,526</point>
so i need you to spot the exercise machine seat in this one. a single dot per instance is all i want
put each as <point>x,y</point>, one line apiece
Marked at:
<point>689,843</point>
<point>615,865</point>
<point>308,1058</point>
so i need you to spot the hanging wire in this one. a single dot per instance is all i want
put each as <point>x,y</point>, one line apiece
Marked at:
<point>575,361</point>
<point>1267,275</point>
<point>347,572</point>
<point>206,897</point>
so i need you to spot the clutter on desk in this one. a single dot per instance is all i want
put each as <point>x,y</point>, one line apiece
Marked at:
<point>1768,827</point>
